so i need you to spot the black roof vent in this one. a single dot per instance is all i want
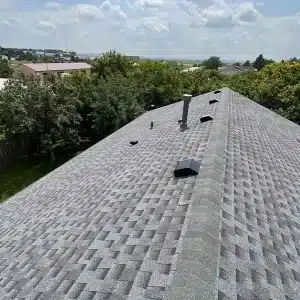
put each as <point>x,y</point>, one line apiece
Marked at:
<point>206,118</point>
<point>179,121</point>
<point>187,168</point>
<point>152,106</point>
<point>133,142</point>
<point>217,92</point>
<point>151,125</point>
<point>213,101</point>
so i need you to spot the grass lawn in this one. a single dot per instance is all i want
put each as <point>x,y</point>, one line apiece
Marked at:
<point>23,173</point>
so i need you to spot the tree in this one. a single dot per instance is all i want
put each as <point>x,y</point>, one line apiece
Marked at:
<point>159,84</point>
<point>115,103</point>
<point>5,69</point>
<point>294,59</point>
<point>112,62</point>
<point>45,111</point>
<point>261,62</point>
<point>247,63</point>
<point>213,62</point>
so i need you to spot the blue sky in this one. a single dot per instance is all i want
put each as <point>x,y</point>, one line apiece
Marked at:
<point>232,29</point>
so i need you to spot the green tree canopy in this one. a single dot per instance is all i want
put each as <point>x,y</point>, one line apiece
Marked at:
<point>47,111</point>
<point>247,63</point>
<point>261,62</point>
<point>213,62</point>
<point>112,62</point>
<point>5,69</point>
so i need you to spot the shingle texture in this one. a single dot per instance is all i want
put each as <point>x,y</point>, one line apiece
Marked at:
<point>114,223</point>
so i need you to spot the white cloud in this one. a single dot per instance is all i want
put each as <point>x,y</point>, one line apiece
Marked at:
<point>221,14</point>
<point>182,28</point>
<point>150,3</point>
<point>5,3</point>
<point>53,5</point>
<point>10,22</point>
<point>246,12</point>
<point>218,18</point>
<point>88,12</point>
<point>260,4</point>
<point>46,25</point>
<point>153,24</point>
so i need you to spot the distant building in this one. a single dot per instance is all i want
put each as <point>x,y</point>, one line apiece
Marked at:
<point>51,54</point>
<point>39,53</point>
<point>230,70</point>
<point>5,57</point>
<point>42,69</point>
<point>192,69</point>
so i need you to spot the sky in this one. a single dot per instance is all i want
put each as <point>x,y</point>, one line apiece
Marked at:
<point>191,29</point>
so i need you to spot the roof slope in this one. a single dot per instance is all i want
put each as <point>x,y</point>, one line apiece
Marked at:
<point>43,67</point>
<point>113,223</point>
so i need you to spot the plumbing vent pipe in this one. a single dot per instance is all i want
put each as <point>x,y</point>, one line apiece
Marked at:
<point>186,102</point>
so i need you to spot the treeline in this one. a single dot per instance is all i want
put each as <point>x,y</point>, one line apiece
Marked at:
<point>36,55</point>
<point>81,109</point>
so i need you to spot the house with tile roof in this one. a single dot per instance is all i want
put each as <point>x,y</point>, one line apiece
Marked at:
<point>116,222</point>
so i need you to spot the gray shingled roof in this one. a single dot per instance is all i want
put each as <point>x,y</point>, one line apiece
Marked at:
<point>113,223</point>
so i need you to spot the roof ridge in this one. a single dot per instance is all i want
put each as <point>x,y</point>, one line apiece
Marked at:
<point>200,234</point>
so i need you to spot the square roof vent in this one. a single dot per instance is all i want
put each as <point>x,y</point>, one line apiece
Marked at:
<point>213,101</point>
<point>187,168</point>
<point>206,118</point>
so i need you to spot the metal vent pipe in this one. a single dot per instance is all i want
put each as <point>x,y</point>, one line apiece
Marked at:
<point>186,101</point>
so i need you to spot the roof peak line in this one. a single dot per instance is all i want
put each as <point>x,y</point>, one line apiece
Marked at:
<point>203,218</point>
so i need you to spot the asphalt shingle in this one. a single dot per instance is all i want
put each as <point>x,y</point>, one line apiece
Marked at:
<point>114,222</point>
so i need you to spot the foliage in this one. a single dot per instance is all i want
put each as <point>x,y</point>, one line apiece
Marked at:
<point>201,81</point>
<point>213,62</point>
<point>112,62</point>
<point>46,111</point>
<point>5,70</point>
<point>247,63</point>
<point>84,108</point>
<point>158,83</point>
<point>105,104</point>
<point>261,62</point>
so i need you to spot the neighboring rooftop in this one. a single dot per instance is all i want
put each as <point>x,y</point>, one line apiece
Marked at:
<point>192,69</point>
<point>114,223</point>
<point>230,70</point>
<point>44,67</point>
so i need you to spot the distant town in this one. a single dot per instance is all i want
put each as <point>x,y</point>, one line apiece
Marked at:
<point>40,55</point>
<point>46,55</point>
